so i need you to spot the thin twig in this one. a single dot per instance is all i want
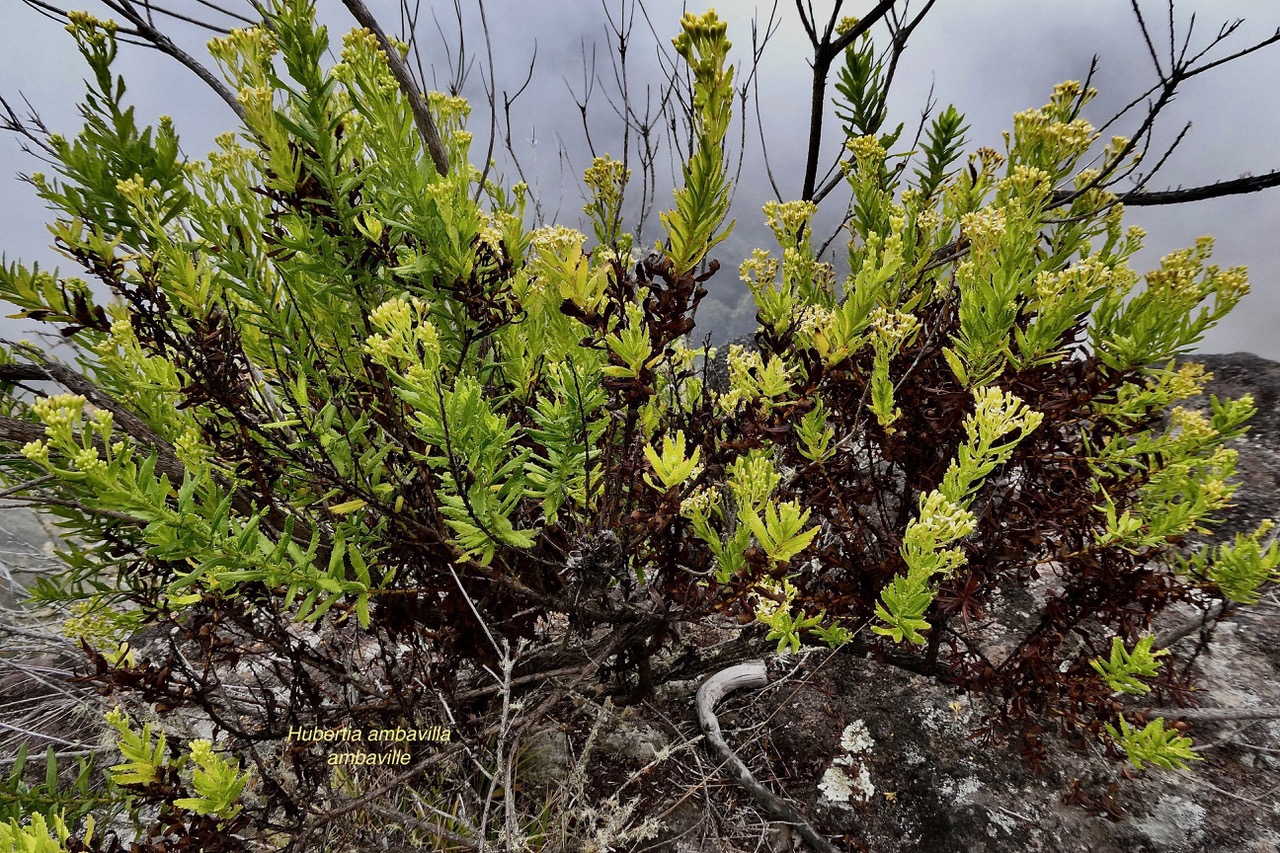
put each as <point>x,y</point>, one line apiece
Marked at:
<point>417,103</point>
<point>748,675</point>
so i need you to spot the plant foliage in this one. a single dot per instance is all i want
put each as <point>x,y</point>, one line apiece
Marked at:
<point>338,400</point>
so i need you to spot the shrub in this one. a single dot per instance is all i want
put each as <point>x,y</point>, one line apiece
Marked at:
<point>349,431</point>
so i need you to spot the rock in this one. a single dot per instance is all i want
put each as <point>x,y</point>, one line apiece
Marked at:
<point>546,758</point>
<point>27,541</point>
<point>936,789</point>
<point>638,744</point>
<point>1258,466</point>
<point>930,786</point>
<point>718,367</point>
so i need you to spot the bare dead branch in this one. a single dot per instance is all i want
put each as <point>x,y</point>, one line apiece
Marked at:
<point>30,128</point>
<point>751,674</point>
<point>1146,38</point>
<point>417,103</point>
<point>825,52</point>
<point>1239,186</point>
<point>153,37</point>
<point>1216,715</point>
<point>490,89</point>
<point>1254,48</point>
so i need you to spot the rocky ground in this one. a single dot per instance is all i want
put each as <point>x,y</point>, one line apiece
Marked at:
<point>916,779</point>
<point>25,550</point>
<point>896,747</point>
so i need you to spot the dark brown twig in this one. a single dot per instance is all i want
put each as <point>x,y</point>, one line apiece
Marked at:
<point>417,103</point>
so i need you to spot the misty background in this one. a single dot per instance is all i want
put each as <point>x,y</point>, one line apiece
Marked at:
<point>991,58</point>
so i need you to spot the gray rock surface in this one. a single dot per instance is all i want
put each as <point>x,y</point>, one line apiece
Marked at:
<point>26,550</point>
<point>925,785</point>
<point>1258,468</point>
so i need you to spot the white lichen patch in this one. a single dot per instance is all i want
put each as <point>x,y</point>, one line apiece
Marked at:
<point>847,778</point>
<point>838,786</point>
<point>1001,821</point>
<point>856,738</point>
<point>959,790</point>
<point>912,756</point>
<point>1174,822</point>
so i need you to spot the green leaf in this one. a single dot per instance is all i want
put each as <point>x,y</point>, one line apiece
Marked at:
<point>1124,668</point>
<point>1153,744</point>
<point>671,466</point>
<point>348,506</point>
<point>362,611</point>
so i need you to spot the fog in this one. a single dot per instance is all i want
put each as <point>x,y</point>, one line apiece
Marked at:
<point>990,58</point>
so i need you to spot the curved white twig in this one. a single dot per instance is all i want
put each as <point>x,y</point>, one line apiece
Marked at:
<point>750,674</point>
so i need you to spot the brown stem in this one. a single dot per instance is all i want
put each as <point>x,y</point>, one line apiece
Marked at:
<point>1239,186</point>
<point>824,54</point>
<point>421,115</point>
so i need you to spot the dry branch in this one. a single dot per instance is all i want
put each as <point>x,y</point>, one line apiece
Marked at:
<point>740,677</point>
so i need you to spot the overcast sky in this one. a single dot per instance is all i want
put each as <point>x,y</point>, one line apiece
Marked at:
<point>991,58</point>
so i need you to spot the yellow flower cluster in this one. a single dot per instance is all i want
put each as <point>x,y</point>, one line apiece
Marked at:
<point>406,332</point>
<point>988,160</point>
<point>84,20</point>
<point>59,412</point>
<point>772,596</point>
<point>136,190</point>
<point>742,362</point>
<point>1040,129</point>
<point>867,152</point>
<point>814,321</point>
<point>752,479</point>
<point>1232,284</point>
<point>258,102</point>
<point>94,31</point>
<point>606,177</point>
<point>448,108</point>
<point>1192,426</point>
<point>760,269</point>
<point>92,621</point>
<point>998,412</point>
<point>702,34</point>
<point>701,503</point>
<point>788,219</point>
<point>892,327</point>
<point>361,51</point>
<point>493,227</point>
<point>984,228</point>
<point>252,47</point>
<point>394,313</point>
<point>557,251</point>
<point>557,241</point>
<point>927,222</point>
<point>37,452</point>
<point>1081,278</point>
<point>190,449</point>
<point>227,159</point>
<point>1189,380</point>
<point>1029,182</point>
<point>89,461</point>
<point>1181,274</point>
<point>1067,91</point>
<point>941,520</point>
